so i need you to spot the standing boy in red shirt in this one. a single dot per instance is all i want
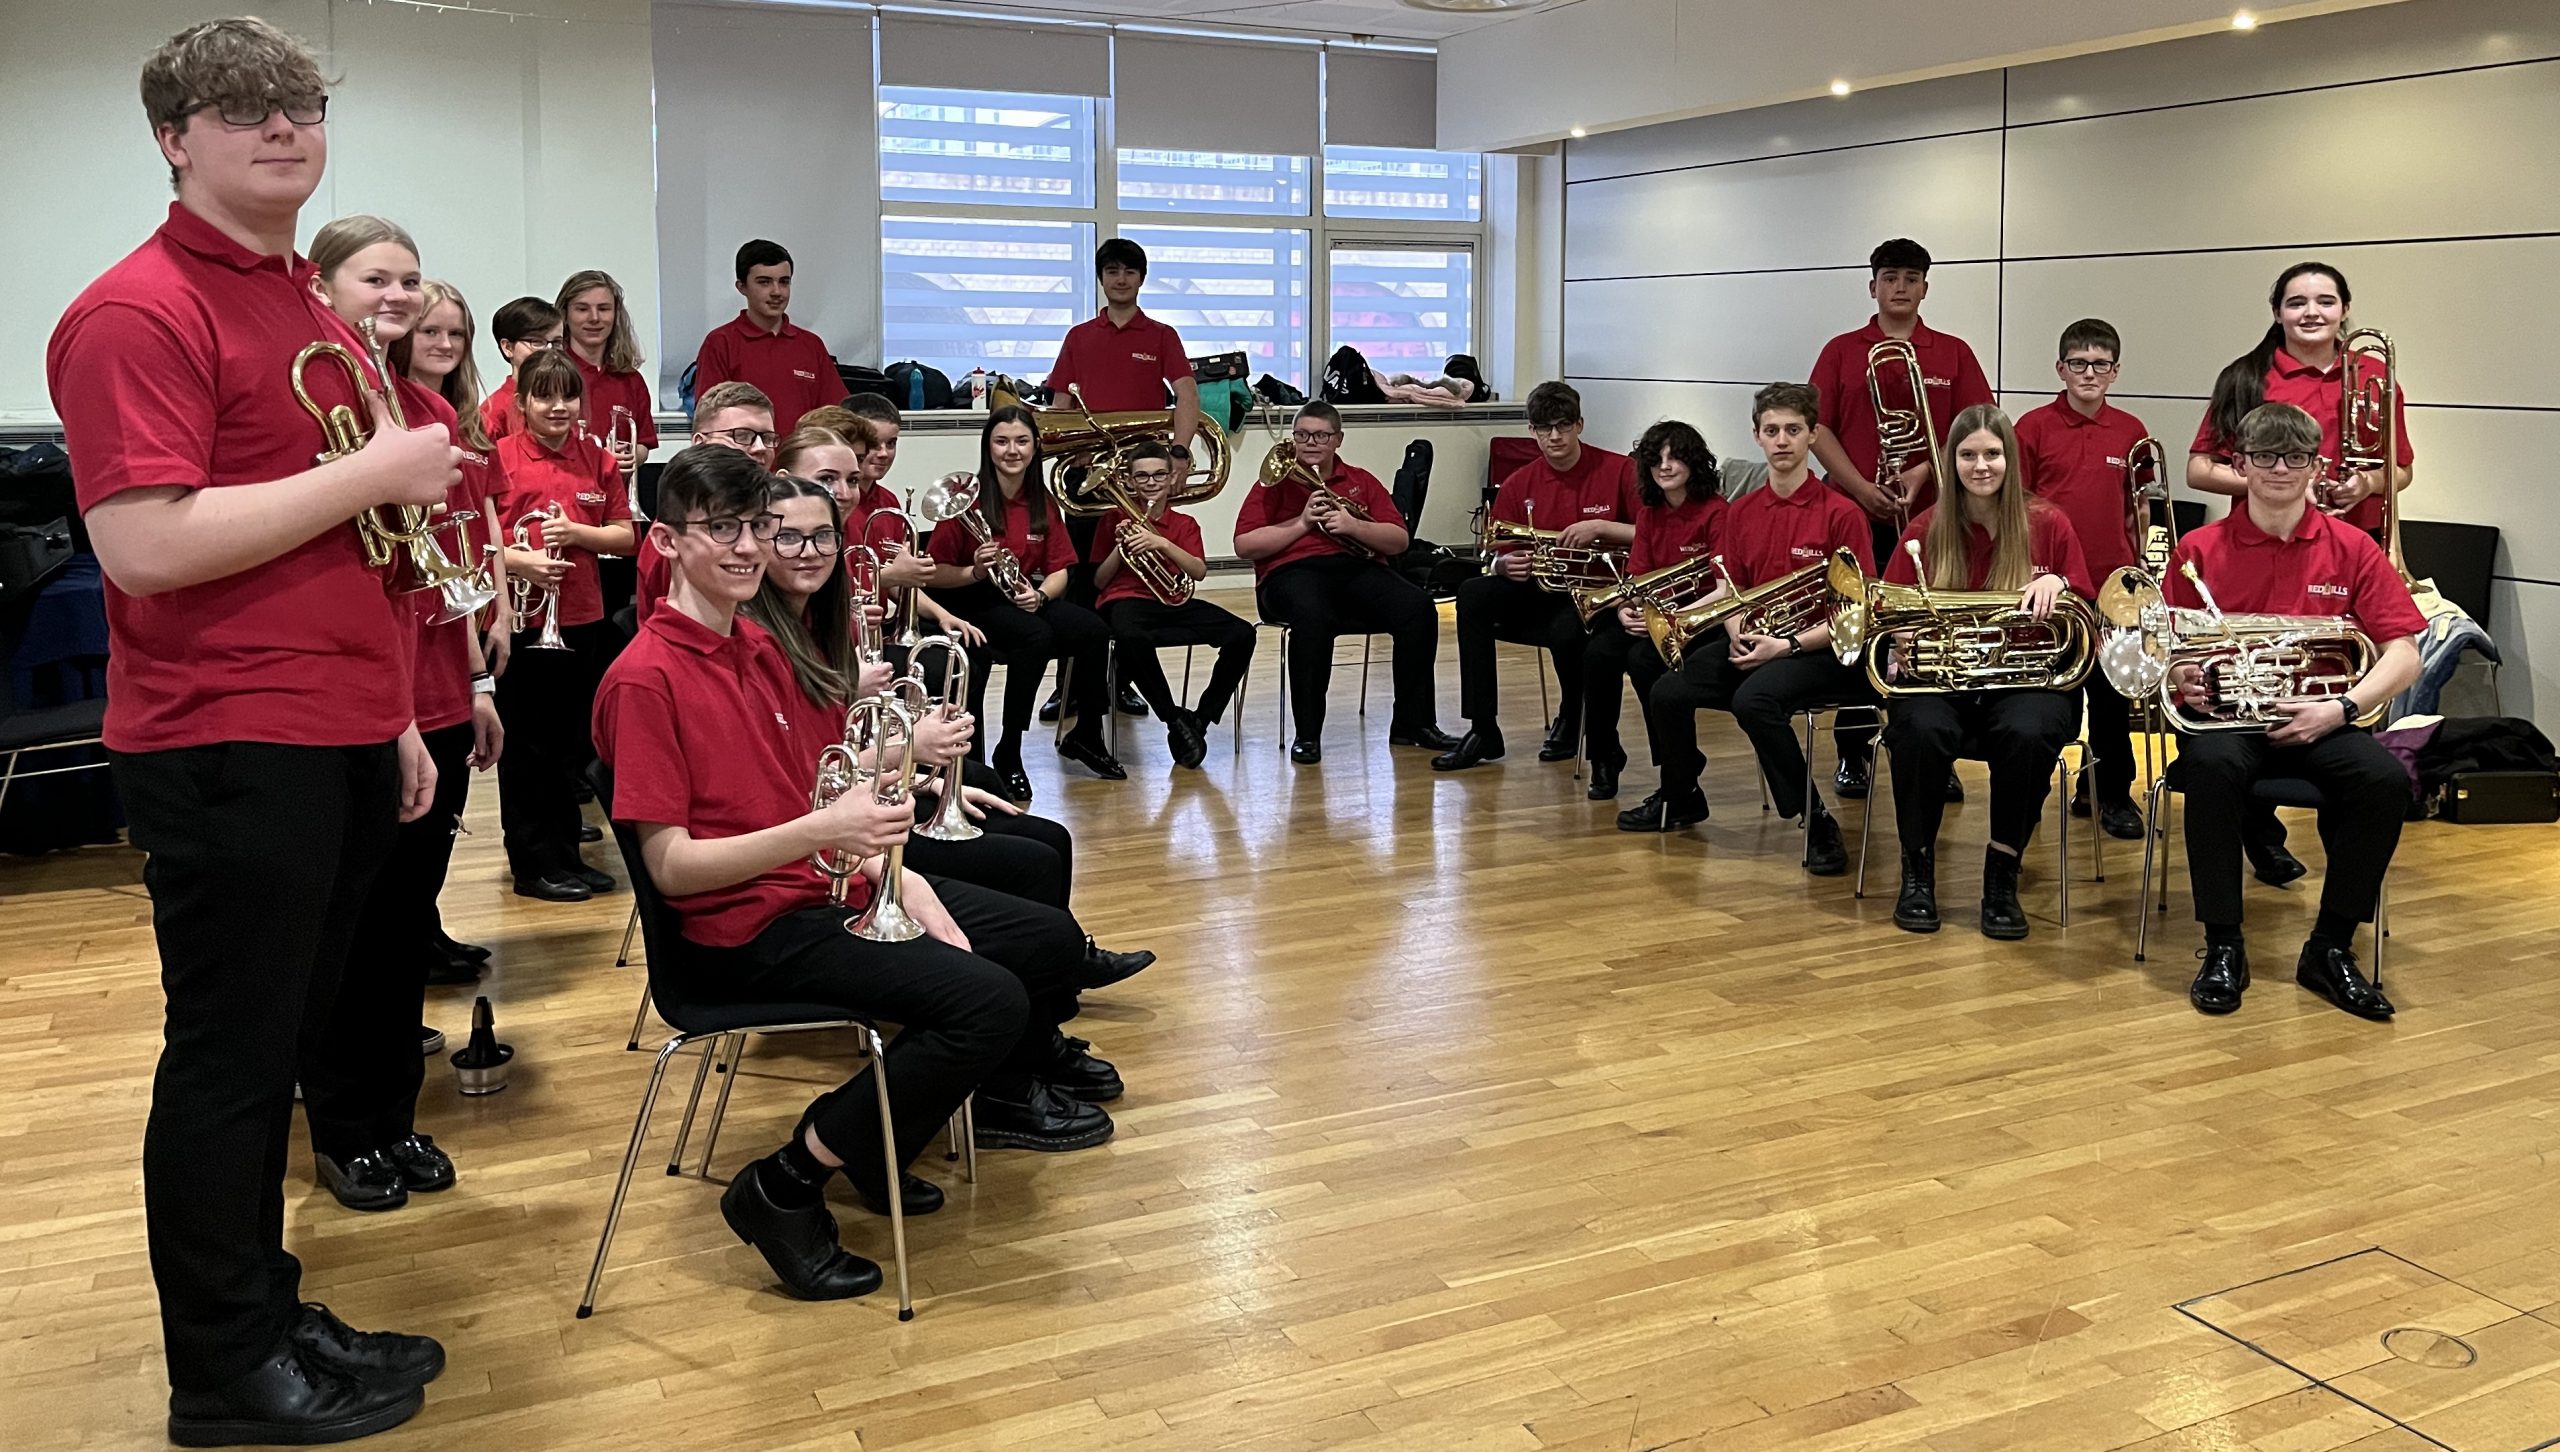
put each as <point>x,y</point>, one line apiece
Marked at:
<point>761,345</point>
<point>523,328</point>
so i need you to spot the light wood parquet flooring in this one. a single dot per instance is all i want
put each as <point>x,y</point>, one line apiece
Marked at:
<point>1456,1120</point>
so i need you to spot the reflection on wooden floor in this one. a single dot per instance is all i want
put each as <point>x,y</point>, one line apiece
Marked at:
<point>1456,1119</point>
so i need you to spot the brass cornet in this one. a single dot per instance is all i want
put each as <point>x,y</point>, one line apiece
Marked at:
<point>877,725</point>
<point>955,496</point>
<point>2245,663</point>
<point>526,598</point>
<point>1904,436</point>
<point>862,585</point>
<point>1955,640</point>
<point>950,821</point>
<point>1280,466</point>
<point>398,538</point>
<point>900,601</point>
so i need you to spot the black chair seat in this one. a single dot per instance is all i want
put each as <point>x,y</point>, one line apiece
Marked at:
<point>70,722</point>
<point>696,1020</point>
<point>2282,791</point>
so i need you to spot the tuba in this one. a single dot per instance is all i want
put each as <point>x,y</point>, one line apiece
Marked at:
<point>2150,519</point>
<point>527,599</point>
<point>1079,438</point>
<point>1786,605</point>
<point>1553,565</point>
<point>1281,466</point>
<point>873,724</point>
<point>1673,587</point>
<point>1904,436</point>
<point>2247,663</point>
<point>955,496</point>
<point>950,822</point>
<point>1956,640</point>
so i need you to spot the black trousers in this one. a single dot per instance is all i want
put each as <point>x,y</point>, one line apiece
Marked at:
<point>547,701</point>
<point>967,1019</point>
<point>1028,856</point>
<point>2020,733</point>
<point>2365,791</point>
<point>2110,738</point>
<point>1613,658</point>
<point>361,1074</point>
<point>1763,701</point>
<point>1026,641</point>
<point>260,860</point>
<point>1335,595</point>
<point>1142,627</point>
<point>1491,608</point>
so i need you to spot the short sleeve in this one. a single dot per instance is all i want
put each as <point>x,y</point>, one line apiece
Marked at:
<point>2176,588</point>
<point>2208,440</point>
<point>136,403</point>
<point>1063,374</point>
<point>710,364</point>
<point>635,729</point>
<point>1827,387</point>
<point>2382,605</point>
<point>1255,512</point>
<point>1627,498</point>
<point>1177,364</point>
<point>1511,500</point>
<point>1381,500</point>
<point>1850,531</point>
<point>1184,531</point>
<point>1970,386</point>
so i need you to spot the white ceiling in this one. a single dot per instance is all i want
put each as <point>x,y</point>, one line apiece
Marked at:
<point>1385,19</point>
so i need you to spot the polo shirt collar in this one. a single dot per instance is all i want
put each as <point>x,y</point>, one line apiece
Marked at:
<point>2073,417</point>
<point>2245,531</point>
<point>679,629</point>
<point>1136,317</point>
<point>206,240</point>
<point>1801,499</point>
<point>1874,331</point>
<point>747,325</point>
<point>2289,366</point>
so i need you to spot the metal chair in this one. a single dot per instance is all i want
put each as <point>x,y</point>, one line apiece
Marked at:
<point>2281,791</point>
<point>1368,646</point>
<point>1235,708</point>
<point>1877,787</point>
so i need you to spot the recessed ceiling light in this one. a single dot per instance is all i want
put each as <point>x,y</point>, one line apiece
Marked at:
<point>1473,6</point>
<point>1839,88</point>
<point>2243,20</point>
<point>1579,133</point>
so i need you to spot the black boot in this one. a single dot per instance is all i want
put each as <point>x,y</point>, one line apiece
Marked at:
<point>1916,909</point>
<point>1564,739</point>
<point>2002,918</point>
<point>1824,854</point>
<point>799,1243</point>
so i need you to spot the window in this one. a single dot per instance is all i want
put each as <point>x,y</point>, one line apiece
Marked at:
<point>1405,308</point>
<point>1419,186</point>
<point>989,147</point>
<point>968,294</point>
<point>1229,290</point>
<point>1213,181</point>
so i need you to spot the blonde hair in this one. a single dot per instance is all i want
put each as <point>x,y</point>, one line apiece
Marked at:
<point>461,387</point>
<point>1949,552</point>
<point>810,436</point>
<point>621,347</point>
<point>342,239</point>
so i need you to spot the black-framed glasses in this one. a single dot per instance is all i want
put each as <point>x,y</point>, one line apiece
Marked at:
<point>1554,431</point>
<point>243,112</point>
<point>1313,436</point>
<point>743,438</point>
<point>808,541</point>
<point>1142,474</point>
<point>2269,459</point>
<point>726,529</point>
<point>2090,367</point>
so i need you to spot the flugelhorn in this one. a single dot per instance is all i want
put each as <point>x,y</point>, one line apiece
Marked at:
<point>1787,605</point>
<point>955,496</point>
<point>527,598</point>
<point>1079,438</point>
<point>878,726</point>
<point>1280,466</point>
<point>2245,663</point>
<point>1903,435</point>
<point>950,821</point>
<point>1955,640</point>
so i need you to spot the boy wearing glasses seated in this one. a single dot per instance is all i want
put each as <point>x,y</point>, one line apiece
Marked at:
<point>1141,622</point>
<point>733,415</point>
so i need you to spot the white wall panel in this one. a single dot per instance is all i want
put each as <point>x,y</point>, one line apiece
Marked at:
<point>1823,210</point>
<point>2529,680</point>
<point>2465,154</point>
<point>1617,413</point>
<point>2491,466</point>
<point>1750,327</point>
<point>1894,113</point>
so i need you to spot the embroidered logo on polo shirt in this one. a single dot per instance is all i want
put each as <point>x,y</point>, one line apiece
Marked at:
<point>1804,552</point>
<point>2114,461</point>
<point>1138,357</point>
<point>1938,382</point>
<point>2339,591</point>
<point>802,373</point>
<point>1596,509</point>
<point>469,457</point>
<point>591,496</point>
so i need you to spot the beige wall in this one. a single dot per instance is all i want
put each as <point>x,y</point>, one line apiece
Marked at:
<point>2161,188</point>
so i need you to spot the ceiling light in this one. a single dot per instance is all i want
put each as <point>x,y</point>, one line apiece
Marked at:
<point>1473,6</point>
<point>1839,88</point>
<point>2243,20</point>
<point>1579,133</point>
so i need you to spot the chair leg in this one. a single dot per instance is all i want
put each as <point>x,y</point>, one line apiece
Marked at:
<point>2062,775</point>
<point>1368,652</point>
<point>720,1105</point>
<point>622,1184</point>
<point>622,959</point>
<point>1111,692</point>
<point>1284,690</point>
<point>2150,850</point>
<point>1808,775</point>
<point>889,1157</point>
<point>969,1139</point>
<point>639,1017</point>
<point>1186,675</point>
<point>701,1074</point>
<point>1867,818</point>
<point>2381,925</point>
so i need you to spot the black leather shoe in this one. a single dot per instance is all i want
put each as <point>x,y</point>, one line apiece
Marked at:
<point>1131,703</point>
<point>446,971</point>
<point>1564,740</point>
<point>1102,967</point>
<point>1430,738</point>
<point>590,832</point>
<point>1915,909</point>
<point>1049,707</point>
<point>1011,780</point>
<point>1955,786</point>
<point>2222,979</point>
<point>1824,853</point>
<point>1306,751</point>
<point>430,1041</point>
<point>553,887</point>
<point>1475,748</point>
<point>2002,917</point>
<point>800,1244</point>
<point>2330,971</point>
<point>376,1356</point>
<point>1665,811</point>
<point>2121,820</point>
<point>291,1399</point>
<point>1092,757</point>
<point>2275,867</point>
<point>456,948</point>
<point>368,1181</point>
<point>916,1196</point>
<point>1031,1115</point>
<point>590,879</point>
<point>1850,781</point>
<point>424,1169</point>
<point>1604,782</point>
<point>1184,738</point>
<point>1078,1074</point>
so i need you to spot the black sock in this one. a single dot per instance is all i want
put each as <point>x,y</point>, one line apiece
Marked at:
<point>792,1177</point>
<point>2222,935</point>
<point>2335,929</point>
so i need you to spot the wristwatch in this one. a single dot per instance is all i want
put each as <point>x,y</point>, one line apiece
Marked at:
<point>484,684</point>
<point>2347,703</point>
<point>1795,646</point>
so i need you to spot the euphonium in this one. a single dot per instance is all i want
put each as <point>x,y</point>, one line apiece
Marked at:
<point>1904,436</point>
<point>950,821</point>
<point>2150,519</point>
<point>1672,587</point>
<point>900,601</point>
<point>879,726</point>
<point>862,585</point>
<point>955,496</point>
<point>1787,605</point>
<point>1554,565</point>
<point>1079,438</point>
<point>1955,640</point>
<point>1281,466</point>
<point>524,597</point>
<point>2245,663</point>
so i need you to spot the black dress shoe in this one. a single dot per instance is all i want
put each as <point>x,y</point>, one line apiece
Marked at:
<point>1130,702</point>
<point>1475,748</point>
<point>1604,782</point>
<point>1306,751</point>
<point>1824,853</point>
<point>1184,738</point>
<point>2002,917</point>
<point>1078,1074</point>
<point>1915,909</point>
<point>2222,979</point>
<point>1092,757</point>
<point>581,789</point>
<point>916,1196</point>
<point>1011,780</point>
<point>588,878</point>
<point>1031,1115</point>
<point>2121,820</point>
<point>2330,971</point>
<point>2275,867</point>
<point>290,1399</point>
<point>456,948</point>
<point>445,971</point>
<point>799,1244</point>
<point>430,1041</point>
<point>1102,967</point>
<point>553,887</point>
<point>590,832</point>
<point>1955,786</point>
<point>424,1169</point>
<point>1665,811</point>
<point>376,1356</point>
<point>368,1181</point>
<point>1430,738</point>
<point>1049,707</point>
<point>1850,781</point>
<point>1564,741</point>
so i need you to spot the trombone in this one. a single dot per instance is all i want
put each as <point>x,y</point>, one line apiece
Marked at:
<point>2151,517</point>
<point>1904,436</point>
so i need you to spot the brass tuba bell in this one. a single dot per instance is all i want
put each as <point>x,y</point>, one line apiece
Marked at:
<point>1956,640</point>
<point>1079,438</point>
<point>2244,663</point>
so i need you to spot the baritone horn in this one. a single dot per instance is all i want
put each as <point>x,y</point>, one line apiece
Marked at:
<point>1904,436</point>
<point>2244,663</point>
<point>1787,605</point>
<point>1553,564</point>
<point>1955,640</point>
<point>1673,587</point>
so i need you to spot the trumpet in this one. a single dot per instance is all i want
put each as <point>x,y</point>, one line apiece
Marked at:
<point>527,599</point>
<point>862,583</point>
<point>2151,519</point>
<point>1955,640</point>
<point>2245,663</point>
<point>899,600</point>
<point>955,496</point>
<point>1787,605</point>
<point>1903,435</point>
<point>398,538</point>
<point>872,724</point>
<point>1080,438</point>
<point>1554,565</point>
<point>950,822</point>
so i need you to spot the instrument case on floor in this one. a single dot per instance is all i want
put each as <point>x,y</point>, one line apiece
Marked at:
<point>2500,796</point>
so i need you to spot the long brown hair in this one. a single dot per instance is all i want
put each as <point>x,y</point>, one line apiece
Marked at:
<point>816,634</point>
<point>1949,551</point>
<point>461,387</point>
<point>809,437</point>
<point>991,510</point>
<point>621,346</point>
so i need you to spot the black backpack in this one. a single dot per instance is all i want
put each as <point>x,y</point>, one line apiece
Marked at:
<point>1276,393</point>
<point>1347,378</point>
<point>859,379</point>
<point>918,385</point>
<point>1413,480</point>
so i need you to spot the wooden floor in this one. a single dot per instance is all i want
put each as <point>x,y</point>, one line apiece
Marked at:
<point>1456,1120</point>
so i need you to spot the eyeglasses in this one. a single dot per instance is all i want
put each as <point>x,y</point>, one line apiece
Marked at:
<point>1314,436</point>
<point>240,113</point>
<point>1554,431</point>
<point>2090,367</point>
<point>1150,476</point>
<point>2269,460</point>
<point>806,541</point>
<point>726,529</point>
<point>742,438</point>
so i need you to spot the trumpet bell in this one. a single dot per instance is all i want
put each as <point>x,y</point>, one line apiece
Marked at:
<point>885,921</point>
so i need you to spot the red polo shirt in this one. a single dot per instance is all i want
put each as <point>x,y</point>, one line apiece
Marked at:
<point>442,653</point>
<point>1954,377</point>
<point>2329,567</point>
<point>654,570</point>
<point>2317,392</point>
<point>583,479</point>
<point>604,390</point>
<point>1269,504</point>
<point>2078,464</point>
<point>1674,532</point>
<point>1765,536</point>
<point>171,370</point>
<point>498,414</point>
<point>2051,548</point>
<point>954,544</point>
<point>1173,524</point>
<point>792,366</point>
<point>869,501</point>
<point>1600,485</point>
<point>709,733</point>
<point>1120,365</point>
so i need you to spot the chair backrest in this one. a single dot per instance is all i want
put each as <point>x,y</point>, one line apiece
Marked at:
<point>664,943</point>
<point>2459,557</point>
